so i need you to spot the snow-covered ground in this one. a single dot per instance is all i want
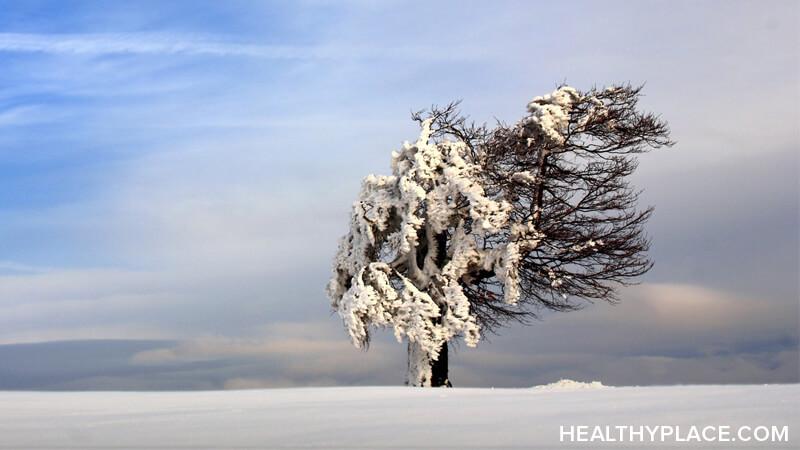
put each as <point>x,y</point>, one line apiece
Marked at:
<point>381,417</point>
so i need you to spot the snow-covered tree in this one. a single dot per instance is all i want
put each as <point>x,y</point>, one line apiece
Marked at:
<point>478,226</point>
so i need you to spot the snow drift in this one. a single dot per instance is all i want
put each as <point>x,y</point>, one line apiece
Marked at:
<point>565,384</point>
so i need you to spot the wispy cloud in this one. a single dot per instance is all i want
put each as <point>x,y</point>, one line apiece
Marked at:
<point>15,267</point>
<point>161,43</point>
<point>144,43</point>
<point>24,115</point>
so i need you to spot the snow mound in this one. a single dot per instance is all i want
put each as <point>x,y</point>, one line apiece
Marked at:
<point>570,385</point>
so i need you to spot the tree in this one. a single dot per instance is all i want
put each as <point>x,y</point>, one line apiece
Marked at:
<point>477,227</point>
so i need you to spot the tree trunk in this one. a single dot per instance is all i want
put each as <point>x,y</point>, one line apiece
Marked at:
<point>423,372</point>
<point>439,369</point>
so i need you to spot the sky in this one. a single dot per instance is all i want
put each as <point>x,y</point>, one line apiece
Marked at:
<point>174,178</point>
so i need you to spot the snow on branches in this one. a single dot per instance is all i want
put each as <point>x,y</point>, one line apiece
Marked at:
<point>432,189</point>
<point>465,223</point>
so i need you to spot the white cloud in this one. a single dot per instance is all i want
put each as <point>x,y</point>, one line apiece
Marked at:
<point>144,43</point>
<point>167,44</point>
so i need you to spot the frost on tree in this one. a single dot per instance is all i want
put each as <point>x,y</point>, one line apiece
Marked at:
<point>476,226</point>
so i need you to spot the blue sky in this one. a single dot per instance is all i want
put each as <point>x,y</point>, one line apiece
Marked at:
<point>174,178</point>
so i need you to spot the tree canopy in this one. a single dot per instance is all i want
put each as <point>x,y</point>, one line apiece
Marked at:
<point>478,226</point>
